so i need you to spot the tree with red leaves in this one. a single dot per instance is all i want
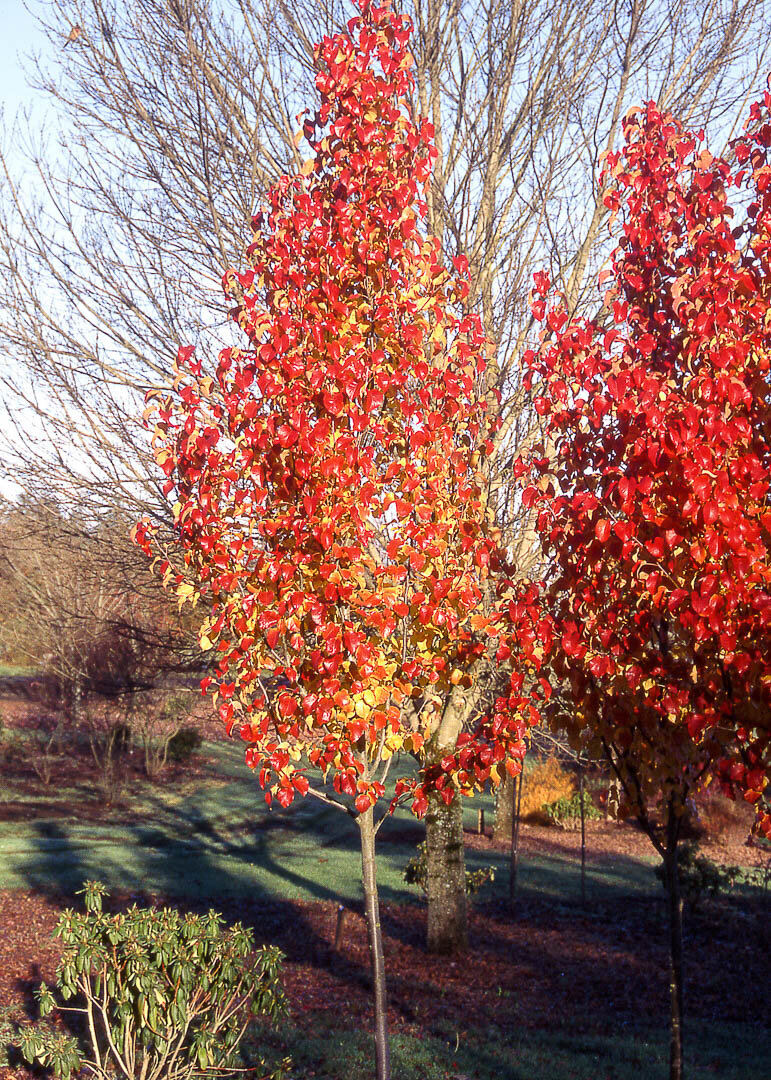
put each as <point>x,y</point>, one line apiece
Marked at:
<point>651,487</point>
<point>326,484</point>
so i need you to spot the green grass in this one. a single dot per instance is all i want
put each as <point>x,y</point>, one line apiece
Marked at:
<point>219,840</point>
<point>9,671</point>
<point>724,1051</point>
<point>216,840</point>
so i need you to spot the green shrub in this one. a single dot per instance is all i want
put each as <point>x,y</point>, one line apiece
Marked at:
<point>184,744</point>
<point>165,996</point>
<point>566,812</point>
<point>9,1017</point>
<point>416,873</point>
<point>12,747</point>
<point>700,877</point>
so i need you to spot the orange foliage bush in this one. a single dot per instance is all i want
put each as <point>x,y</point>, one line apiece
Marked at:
<point>546,782</point>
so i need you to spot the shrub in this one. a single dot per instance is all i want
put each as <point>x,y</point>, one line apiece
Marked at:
<point>156,718</point>
<point>164,995</point>
<point>12,748</point>
<point>416,873</point>
<point>184,744</point>
<point>566,813</point>
<point>700,877</point>
<point>544,784</point>
<point>9,1016</point>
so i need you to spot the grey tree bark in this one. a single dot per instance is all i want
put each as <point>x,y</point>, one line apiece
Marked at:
<point>446,877</point>
<point>374,931</point>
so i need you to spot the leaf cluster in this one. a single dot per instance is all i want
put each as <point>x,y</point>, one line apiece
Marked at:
<point>650,489</point>
<point>327,485</point>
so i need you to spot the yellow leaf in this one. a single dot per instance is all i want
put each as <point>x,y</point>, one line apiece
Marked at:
<point>186,592</point>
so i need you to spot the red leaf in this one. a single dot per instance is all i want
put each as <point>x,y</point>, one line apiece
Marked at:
<point>602,530</point>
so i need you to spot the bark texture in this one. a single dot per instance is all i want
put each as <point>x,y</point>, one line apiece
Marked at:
<point>504,810</point>
<point>675,912</point>
<point>446,877</point>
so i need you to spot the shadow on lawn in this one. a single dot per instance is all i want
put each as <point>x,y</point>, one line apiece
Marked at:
<point>189,859</point>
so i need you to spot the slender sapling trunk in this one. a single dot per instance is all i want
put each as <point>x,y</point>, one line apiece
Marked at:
<point>675,914</point>
<point>583,838</point>
<point>366,825</point>
<point>514,858</point>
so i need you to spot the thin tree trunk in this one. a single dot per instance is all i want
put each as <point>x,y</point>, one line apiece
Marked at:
<point>372,909</point>
<point>583,838</point>
<point>514,861</point>
<point>675,912</point>
<point>504,810</point>
<point>446,877</point>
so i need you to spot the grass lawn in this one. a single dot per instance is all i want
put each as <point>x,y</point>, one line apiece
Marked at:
<point>220,840</point>
<point>713,1052</point>
<point>214,840</point>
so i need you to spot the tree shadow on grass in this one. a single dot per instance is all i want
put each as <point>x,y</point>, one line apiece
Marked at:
<point>188,857</point>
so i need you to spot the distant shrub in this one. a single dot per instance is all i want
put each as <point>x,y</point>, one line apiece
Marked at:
<point>184,744</point>
<point>165,996</point>
<point>416,873</point>
<point>543,785</point>
<point>700,877</point>
<point>157,718</point>
<point>13,749</point>
<point>566,812</point>
<point>760,874</point>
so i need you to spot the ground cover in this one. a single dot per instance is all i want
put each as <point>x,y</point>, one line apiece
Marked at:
<point>556,990</point>
<point>553,992</point>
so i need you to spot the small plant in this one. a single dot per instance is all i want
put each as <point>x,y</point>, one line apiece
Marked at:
<point>184,744</point>
<point>760,874</point>
<point>9,1017</point>
<point>12,748</point>
<point>416,873</point>
<point>700,877</point>
<point>565,813</point>
<point>163,994</point>
<point>157,719</point>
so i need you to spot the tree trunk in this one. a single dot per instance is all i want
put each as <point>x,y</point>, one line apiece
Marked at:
<point>583,837</point>
<point>504,810</point>
<point>675,912</point>
<point>366,825</point>
<point>446,876</point>
<point>514,836</point>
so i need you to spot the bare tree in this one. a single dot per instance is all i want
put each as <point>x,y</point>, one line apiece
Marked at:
<point>75,604</point>
<point>177,113</point>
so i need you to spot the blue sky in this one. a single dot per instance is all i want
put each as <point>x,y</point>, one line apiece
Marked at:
<point>19,34</point>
